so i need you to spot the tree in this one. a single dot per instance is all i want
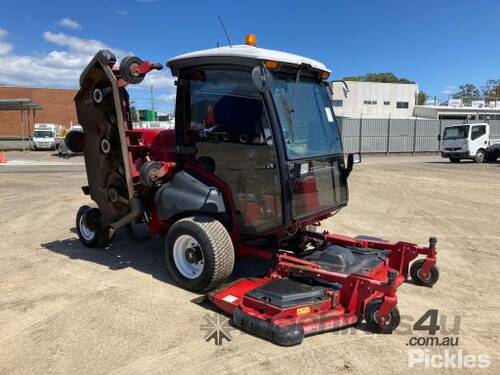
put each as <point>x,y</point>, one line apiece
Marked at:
<point>491,88</point>
<point>422,98</point>
<point>379,77</point>
<point>134,114</point>
<point>467,90</point>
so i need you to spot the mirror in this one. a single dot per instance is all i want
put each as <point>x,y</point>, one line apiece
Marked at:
<point>262,78</point>
<point>351,160</point>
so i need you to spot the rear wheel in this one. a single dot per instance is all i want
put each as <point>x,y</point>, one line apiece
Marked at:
<point>89,228</point>
<point>480,156</point>
<point>199,253</point>
<point>379,323</point>
<point>454,160</point>
<point>492,156</point>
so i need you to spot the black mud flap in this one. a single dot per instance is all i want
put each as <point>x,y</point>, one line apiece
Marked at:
<point>284,336</point>
<point>99,104</point>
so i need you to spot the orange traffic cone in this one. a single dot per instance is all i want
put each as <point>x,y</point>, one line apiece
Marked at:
<point>3,158</point>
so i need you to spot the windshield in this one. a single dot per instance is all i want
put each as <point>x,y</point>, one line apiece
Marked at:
<point>306,117</point>
<point>43,134</point>
<point>456,132</point>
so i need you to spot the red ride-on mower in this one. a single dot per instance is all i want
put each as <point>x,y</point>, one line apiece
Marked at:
<point>254,164</point>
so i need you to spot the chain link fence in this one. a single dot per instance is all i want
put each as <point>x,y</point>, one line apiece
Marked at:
<point>398,135</point>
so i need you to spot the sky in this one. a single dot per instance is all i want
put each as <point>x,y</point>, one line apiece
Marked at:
<point>439,44</point>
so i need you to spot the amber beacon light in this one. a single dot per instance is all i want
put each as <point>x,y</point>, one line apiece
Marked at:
<point>251,40</point>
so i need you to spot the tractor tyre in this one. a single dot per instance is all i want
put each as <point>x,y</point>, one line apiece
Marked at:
<point>417,279</point>
<point>89,228</point>
<point>199,253</point>
<point>379,324</point>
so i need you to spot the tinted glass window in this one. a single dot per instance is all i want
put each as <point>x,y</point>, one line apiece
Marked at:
<point>306,117</point>
<point>456,132</point>
<point>401,105</point>
<point>228,125</point>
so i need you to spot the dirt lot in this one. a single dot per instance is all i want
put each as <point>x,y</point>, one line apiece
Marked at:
<point>68,309</point>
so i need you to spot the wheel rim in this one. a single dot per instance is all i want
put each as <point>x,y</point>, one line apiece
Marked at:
<point>87,233</point>
<point>188,256</point>
<point>421,276</point>
<point>480,156</point>
<point>382,320</point>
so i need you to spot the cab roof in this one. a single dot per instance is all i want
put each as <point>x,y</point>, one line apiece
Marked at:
<point>238,52</point>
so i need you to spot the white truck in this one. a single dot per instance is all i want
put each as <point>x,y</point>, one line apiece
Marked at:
<point>469,141</point>
<point>46,136</point>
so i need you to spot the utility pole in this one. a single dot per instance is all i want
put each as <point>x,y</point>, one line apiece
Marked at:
<point>152,99</point>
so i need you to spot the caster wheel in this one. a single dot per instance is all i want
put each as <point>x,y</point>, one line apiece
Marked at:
<point>89,228</point>
<point>381,324</point>
<point>137,230</point>
<point>416,276</point>
<point>199,253</point>
<point>128,68</point>
<point>149,173</point>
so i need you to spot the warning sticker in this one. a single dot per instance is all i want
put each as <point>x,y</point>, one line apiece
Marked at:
<point>303,310</point>
<point>329,114</point>
<point>229,298</point>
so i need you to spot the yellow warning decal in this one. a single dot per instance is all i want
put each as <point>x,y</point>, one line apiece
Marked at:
<point>303,310</point>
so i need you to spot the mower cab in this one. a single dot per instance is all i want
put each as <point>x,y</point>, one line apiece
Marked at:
<point>253,166</point>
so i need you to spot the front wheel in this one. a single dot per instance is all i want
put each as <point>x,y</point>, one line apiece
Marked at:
<point>419,279</point>
<point>480,156</point>
<point>199,253</point>
<point>378,323</point>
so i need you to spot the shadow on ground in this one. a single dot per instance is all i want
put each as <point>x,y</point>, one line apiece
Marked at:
<point>146,257</point>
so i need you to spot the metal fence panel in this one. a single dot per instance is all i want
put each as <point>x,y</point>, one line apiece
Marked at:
<point>398,135</point>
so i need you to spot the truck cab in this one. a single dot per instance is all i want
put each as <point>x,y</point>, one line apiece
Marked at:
<point>45,136</point>
<point>469,141</point>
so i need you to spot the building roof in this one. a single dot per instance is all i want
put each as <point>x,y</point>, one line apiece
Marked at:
<point>245,51</point>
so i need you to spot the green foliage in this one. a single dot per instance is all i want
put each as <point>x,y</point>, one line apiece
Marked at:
<point>134,114</point>
<point>491,88</point>
<point>467,90</point>
<point>379,77</point>
<point>421,98</point>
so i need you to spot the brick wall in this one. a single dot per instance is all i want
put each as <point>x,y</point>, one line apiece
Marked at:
<point>58,108</point>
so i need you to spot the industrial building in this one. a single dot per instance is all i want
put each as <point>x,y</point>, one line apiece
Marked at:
<point>46,106</point>
<point>374,99</point>
<point>441,112</point>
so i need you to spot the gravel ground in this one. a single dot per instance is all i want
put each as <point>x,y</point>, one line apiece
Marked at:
<point>68,309</point>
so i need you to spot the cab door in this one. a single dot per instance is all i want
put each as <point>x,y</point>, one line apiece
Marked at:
<point>225,119</point>
<point>479,136</point>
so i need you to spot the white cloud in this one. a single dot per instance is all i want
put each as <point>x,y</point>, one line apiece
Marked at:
<point>68,23</point>
<point>121,12</point>
<point>5,47</point>
<point>450,89</point>
<point>63,64</point>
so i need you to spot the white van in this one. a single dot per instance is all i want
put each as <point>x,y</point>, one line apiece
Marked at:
<point>45,136</point>
<point>469,141</point>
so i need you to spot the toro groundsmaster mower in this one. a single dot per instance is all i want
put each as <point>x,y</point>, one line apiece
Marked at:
<point>254,164</point>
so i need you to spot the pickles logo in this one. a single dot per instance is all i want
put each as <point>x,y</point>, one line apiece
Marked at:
<point>216,327</point>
